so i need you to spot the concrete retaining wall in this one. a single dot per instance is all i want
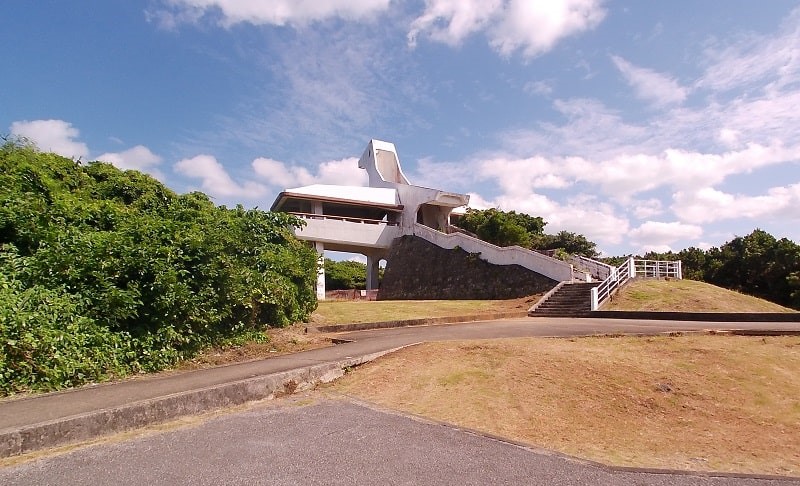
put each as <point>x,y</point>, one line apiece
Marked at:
<point>419,270</point>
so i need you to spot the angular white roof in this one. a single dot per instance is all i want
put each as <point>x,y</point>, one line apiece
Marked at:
<point>374,195</point>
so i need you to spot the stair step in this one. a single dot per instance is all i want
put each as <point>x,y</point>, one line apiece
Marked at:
<point>570,300</point>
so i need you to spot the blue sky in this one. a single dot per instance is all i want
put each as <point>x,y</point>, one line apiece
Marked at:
<point>643,125</point>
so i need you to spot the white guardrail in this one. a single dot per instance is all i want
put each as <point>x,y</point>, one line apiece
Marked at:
<point>634,268</point>
<point>507,255</point>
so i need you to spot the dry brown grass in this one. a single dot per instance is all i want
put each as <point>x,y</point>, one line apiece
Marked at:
<point>287,340</point>
<point>694,402</point>
<point>686,296</point>
<point>348,312</point>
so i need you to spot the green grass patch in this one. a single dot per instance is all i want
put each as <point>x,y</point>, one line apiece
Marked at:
<point>331,312</point>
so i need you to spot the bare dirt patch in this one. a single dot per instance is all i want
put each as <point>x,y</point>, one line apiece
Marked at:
<point>718,403</point>
<point>292,339</point>
<point>686,296</point>
<point>352,312</point>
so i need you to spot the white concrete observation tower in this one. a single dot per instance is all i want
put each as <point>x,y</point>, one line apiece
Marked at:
<point>366,220</point>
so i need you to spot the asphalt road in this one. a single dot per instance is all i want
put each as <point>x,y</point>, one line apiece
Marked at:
<point>53,406</point>
<point>330,442</point>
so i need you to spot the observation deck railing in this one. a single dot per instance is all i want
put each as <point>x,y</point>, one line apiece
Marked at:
<point>630,269</point>
<point>349,219</point>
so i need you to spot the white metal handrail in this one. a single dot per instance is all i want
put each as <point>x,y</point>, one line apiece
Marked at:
<point>349,219</point>
<point>658,268</point>
<point>634,268</point>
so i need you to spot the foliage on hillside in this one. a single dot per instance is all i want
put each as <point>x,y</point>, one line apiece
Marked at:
<point>757,264</point>
<point>507,228</point>
<point>105,272</point>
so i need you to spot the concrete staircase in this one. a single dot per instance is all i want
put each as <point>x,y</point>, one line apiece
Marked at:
<point>570,300</point>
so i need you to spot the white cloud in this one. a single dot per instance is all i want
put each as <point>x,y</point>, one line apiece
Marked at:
<point>61,137</point>
<point>647,208</point>
<point>215,179</point>
<point>657,236</point>
<point>358,258</point>
<point>729,137</point>
<point>510,25</point>
<point>708,205</point>
<point>541,88</point>
<point>340,172</point>
<point>451,21</point>
<point>273,12</point>
<point>332,88</point>
<point>535,27</point>
<point>520,176</point>
<point>136,158</point>
<point>590,129</point>
<point>771,62</point>
<point>623,176</point>
<point>55,136</point>
<point>344,172</point>
<point>476,201</point>
<point>582,214</point>
<point>650,85</point>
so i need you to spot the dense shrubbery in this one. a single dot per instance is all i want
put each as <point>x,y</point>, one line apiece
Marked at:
<point>106,272</point>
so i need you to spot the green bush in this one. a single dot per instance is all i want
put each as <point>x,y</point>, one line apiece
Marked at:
<point>46,341</point>
<point>114,261</point>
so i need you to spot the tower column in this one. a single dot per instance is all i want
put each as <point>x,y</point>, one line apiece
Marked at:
<point>320,269</point>
<point>372,272</point>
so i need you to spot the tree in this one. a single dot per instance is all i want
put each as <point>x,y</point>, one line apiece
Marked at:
<point>506,228</point>
<point>757,264</point>
<point>345,275</point>
<point>571,243</point>
<point>501,228</point>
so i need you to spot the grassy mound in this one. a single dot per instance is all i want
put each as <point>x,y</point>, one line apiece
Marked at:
<point>686,296</point>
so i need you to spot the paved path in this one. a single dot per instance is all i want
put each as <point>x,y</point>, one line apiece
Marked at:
<point>17,413</point>
<point>330,442</point>
<point>310,445</point>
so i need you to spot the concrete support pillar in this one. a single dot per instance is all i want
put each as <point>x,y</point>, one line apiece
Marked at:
<point>372,272</point>
<point>320,270</point>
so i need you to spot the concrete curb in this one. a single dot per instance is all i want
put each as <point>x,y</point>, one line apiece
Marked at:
<point>698,316</point>
<point>362,326</point>
<point>94,424</point>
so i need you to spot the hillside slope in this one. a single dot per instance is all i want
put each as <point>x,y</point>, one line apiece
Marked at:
<point>686,296</point>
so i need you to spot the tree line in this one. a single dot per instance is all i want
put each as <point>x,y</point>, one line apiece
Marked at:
<point>757,264</point>
<point>507,228</point>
